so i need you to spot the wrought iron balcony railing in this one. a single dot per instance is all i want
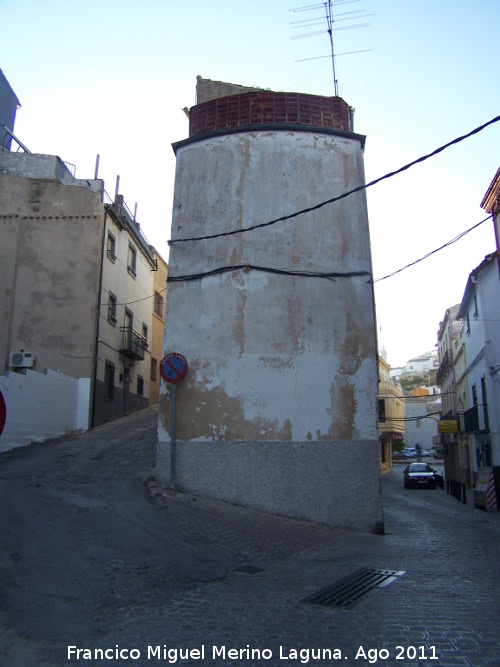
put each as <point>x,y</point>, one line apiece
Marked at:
<point>134,345</point>
<point>475,420</point>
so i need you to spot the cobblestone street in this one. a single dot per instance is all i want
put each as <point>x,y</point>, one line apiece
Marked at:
<point>94,555</point>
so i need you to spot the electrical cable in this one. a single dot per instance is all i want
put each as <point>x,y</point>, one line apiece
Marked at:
<point>342,196</point>
<point>317,274</point>
<point>330,275</point>
<point>410,419</point>
<point>266,269</point>
<point>432,252</point>
<point>129,303</point>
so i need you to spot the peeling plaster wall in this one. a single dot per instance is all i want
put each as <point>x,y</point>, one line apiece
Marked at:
<point>285,361</point>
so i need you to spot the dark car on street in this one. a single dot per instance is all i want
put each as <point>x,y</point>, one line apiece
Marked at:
<point>419,474</point>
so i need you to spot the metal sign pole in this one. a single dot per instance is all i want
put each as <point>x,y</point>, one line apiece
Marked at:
<point>173,369</point>
<point>173,426</point>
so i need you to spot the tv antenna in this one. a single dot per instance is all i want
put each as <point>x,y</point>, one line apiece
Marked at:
<point>331,19</point>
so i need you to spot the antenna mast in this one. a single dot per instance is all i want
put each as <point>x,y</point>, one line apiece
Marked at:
<point>328,6</point>
<point>330,20</point>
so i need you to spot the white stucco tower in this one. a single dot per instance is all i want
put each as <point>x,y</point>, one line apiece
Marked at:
<point>278,410</point>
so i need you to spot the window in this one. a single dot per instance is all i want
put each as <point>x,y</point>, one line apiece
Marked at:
<point>474,395</point>
<point>109,381</point>
<point>145,331</point>
<point>112,308</point>
<point>140,385</point>
<point>486,454</point>
<point>154,369</point>
<point>381,410</point>
<point>475,314</point>
<point>158,304</point>
<point>111,247</point>
<point>132,260</point>
<point>467,330</point>
<point>128,320</point>
<point>484,398</point>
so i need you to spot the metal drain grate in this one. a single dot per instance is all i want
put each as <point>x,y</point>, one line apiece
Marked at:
<point>351,590</point>
<point>249,569</point>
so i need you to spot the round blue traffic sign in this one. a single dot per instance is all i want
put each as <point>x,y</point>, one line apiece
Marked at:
<point>173,367</point>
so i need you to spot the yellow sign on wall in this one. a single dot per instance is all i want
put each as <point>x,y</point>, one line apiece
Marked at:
<point>448,426</point>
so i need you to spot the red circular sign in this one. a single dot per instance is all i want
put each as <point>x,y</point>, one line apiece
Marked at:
<point>173,367</point>
<point>3,412</point>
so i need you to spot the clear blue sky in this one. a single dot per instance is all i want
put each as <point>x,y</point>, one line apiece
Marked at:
<point>110,77</point>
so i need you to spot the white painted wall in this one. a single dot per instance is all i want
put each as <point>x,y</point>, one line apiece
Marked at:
<point>281,392</point>
<point>482,346</point>
<point>422,364</point>
<point>421,431</point>
<point>273,357</point>
<point>42,405</point>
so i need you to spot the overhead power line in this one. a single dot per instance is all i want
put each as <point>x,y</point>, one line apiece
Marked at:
<point>411,419</point>
<point>432,252</point>
<point>266,269</point>
<point>342,196</point>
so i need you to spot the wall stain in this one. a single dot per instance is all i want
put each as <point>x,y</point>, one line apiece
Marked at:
<point>239,328</point>
<point>344,405</point>
<point>277,362</point>
<point>357,346</point>
<point>210,413</point>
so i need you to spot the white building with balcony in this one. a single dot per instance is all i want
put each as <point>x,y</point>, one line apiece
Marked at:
<point>480,312</point>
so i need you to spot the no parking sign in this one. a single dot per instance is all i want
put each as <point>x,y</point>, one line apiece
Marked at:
<point>173,367</point>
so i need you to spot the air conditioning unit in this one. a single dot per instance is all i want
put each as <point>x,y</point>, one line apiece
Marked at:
<point>22,359</point>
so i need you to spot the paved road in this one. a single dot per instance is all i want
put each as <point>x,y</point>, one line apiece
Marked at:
<point>93,555</point>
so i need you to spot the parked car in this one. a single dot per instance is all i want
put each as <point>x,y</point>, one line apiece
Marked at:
<point>425,452</point>
<point>398,456</point>
<point>410,452</point>
<point>419,474</point>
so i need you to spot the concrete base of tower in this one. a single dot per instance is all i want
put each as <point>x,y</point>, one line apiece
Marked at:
<point>330,482</point>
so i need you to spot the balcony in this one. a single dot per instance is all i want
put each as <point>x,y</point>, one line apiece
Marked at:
<point>444,367</point>
<point>134,344</point>
<point>475,420</point>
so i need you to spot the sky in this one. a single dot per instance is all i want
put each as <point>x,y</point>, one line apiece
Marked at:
<point>111,77</point>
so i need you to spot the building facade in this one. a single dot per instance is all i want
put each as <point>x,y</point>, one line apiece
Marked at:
<point>8,108</point>
<point>76,284</point>
<point>449,330</point>
<point>491,204</point>
<point>391,414</point>
<point>469,352</point>
<point>465,463</point>
<point>277,323</point>
<point>123,361</point>
<point>422,414</point>
<point>480,312</point>
<point>423,364</point>
<point>51,236</point>
<point>160,288</point>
